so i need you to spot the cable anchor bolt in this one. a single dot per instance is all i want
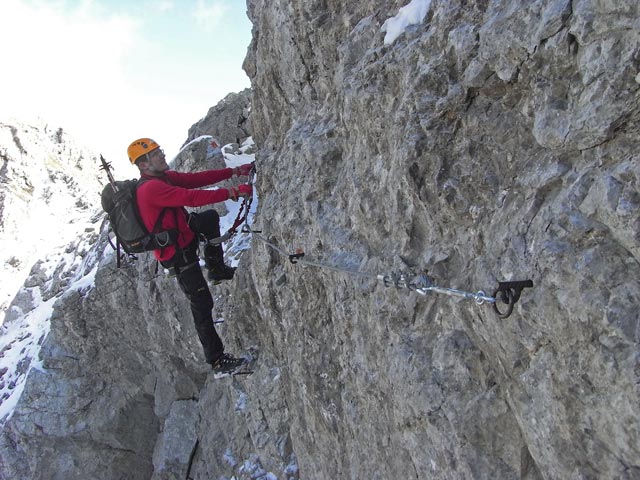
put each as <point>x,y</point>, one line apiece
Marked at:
<point>509,294</point>
<point>293,258</point>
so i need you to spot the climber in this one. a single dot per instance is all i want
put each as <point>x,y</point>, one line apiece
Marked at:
<point>164,193</point>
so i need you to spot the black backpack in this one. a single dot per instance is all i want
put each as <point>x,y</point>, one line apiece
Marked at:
<point>122,209</point>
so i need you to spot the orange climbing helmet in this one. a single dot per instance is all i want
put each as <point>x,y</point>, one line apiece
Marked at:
<point>141,147</point>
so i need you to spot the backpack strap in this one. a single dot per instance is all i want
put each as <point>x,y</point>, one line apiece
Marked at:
<point>157,226</point>
<point>158,223</point>
<point>179,250</point>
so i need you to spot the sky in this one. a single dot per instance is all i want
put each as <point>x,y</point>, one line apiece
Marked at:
<point>111,71</point>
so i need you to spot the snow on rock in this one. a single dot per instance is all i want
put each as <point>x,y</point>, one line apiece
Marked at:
<point>242,241</point>
<point>411,14</point>
<point>28,318</point>
<point>19,347</point>
<point>48,200</point>
<point>49,187</point>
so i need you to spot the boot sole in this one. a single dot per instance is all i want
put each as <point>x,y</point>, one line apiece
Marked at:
<point>218,376</point>
<point>240,370</point>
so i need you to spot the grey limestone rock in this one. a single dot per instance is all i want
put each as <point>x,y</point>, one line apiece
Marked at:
<point>177,442</point>
<point>493,141</point>
<point>228,121</point>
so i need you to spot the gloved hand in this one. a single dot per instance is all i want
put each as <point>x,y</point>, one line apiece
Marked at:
<point>242,190</point>
<point>243,170</point>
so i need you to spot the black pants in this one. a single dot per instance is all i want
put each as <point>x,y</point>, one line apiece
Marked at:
<point>207,224</point>
<point>193,284</point>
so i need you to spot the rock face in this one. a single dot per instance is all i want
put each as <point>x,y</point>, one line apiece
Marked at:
<point>496,140</point>
<point>491,141</point>
<point>111,370</point>
<point>228,121</point>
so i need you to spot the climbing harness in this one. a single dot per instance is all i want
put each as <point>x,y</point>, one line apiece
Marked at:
<point>507,293</point>
<point>242,216</point>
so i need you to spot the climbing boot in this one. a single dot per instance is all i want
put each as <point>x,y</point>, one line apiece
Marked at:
<point>220,273</point>
<point>227,365</point>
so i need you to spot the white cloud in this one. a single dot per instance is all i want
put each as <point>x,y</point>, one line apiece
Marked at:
<point>208,13</point>
<point>66,68</point>
<point>86,70</point>
<point>164,5</point>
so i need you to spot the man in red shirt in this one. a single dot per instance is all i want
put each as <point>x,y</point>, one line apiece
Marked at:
<point>162,195</point>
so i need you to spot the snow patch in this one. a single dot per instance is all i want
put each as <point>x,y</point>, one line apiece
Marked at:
<point>242,402</point>
<point>253,467</point>
<point>195,140</point>
<point>22,337</point>
<point>229,458</point>
<point>411,14</point>
<point>240,242</point>
<point>20,345</point>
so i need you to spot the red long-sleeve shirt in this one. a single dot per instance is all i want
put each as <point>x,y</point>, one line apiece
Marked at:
<point>176,191</point>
